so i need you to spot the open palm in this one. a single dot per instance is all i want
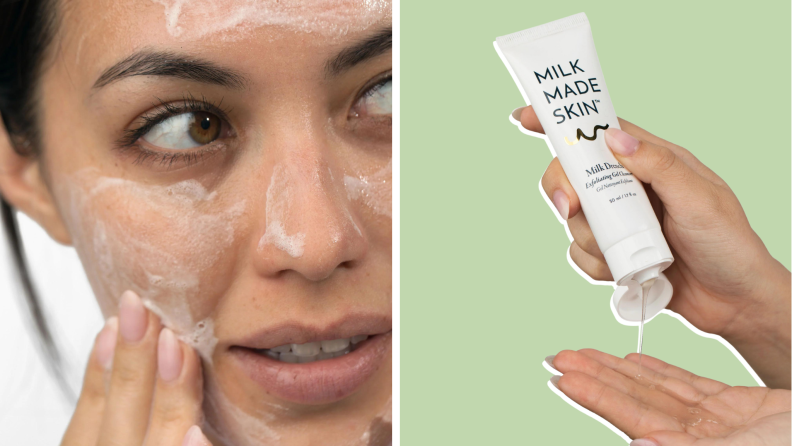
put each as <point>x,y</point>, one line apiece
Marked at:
<point>672,406</point>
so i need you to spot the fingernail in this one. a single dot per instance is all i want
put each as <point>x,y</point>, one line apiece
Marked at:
<point>106,342</point>
<point>195,437</point>
<point>517,113</point>
<point>132,317</point>
<point>549,361</point>
<point>644,442</point>
<point>554,381</point>
<point>621,142</point>
<point>561,202</point>
<point>169,356</point>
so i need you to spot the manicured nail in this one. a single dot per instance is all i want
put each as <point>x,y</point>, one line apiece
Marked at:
<point>517,113</point>
<point>549,361</point>
<point>132,317</point>
<point>561,202</point>
<point>106,342</point>
<point>169,356</point>
<point>644,442</point>
<point>554,381</point>
<point>621,142</point>
<point>195,437</point>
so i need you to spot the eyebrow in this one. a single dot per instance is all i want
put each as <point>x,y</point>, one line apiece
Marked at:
<point>373,46</point>
<point>159,63</point>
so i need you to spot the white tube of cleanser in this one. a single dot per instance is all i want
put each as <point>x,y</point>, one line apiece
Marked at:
<point>556,67</point>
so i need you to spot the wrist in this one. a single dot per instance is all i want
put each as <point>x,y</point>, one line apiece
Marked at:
<point>766,319</point>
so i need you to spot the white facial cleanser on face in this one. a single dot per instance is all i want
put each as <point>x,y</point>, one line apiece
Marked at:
<point>556,67</point>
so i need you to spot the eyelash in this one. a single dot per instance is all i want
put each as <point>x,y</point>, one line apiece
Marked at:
<point>372,88</point>
<point>129,141</point>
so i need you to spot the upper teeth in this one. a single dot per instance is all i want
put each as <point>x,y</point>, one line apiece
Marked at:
<point>313,351</point>
<point>336,345</point>
<point>308,349</point>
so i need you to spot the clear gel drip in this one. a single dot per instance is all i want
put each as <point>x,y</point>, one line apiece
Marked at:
<point>645,287</point>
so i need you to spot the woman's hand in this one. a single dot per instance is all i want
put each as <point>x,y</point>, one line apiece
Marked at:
<point>142,386</point>
<point>725,281</point>
<point>668,406</point>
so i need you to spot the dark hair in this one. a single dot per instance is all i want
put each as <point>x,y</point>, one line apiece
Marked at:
<point>26,30</point>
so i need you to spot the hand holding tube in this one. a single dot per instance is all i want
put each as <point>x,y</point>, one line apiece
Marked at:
<point>725,281</point>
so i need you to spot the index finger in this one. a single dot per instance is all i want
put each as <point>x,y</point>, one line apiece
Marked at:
<point>132,380</point>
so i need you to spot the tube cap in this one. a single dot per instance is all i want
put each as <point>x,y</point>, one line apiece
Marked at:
<point>626,300</point>
<point>637,253</point>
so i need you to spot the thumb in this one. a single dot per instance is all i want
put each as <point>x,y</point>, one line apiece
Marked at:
<point>671,178</point>
<point>665,438</point>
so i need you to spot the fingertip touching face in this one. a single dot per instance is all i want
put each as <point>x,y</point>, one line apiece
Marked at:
<point>231,163</point>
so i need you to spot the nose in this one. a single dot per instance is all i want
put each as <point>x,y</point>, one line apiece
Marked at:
<point>308,227</point>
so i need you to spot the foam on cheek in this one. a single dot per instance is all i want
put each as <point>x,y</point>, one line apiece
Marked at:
<point>280,194</point>
<point>160,241</point>
<point>199,336</point>
<point>373,190</point>
<point>127,255</point>
<point>199,18</point>
<point>347,213</point>
<point>233,426</point>
<point>161,252</point>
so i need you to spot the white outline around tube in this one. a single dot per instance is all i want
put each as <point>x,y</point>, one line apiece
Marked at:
<point>588,278</point>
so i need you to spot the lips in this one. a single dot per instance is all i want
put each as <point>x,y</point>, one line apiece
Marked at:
<point>313,377</point>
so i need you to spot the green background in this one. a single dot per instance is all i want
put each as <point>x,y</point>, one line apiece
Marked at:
<point>486,290</point>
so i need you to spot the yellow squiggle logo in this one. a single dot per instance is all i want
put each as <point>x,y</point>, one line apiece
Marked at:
<point>580,134</point>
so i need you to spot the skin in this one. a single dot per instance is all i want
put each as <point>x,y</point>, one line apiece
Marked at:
<point>198,255</point>
<point>725,282</point>
<point>606,385</point>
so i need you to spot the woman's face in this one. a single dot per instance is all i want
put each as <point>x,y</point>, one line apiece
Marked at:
<point>231,163</point>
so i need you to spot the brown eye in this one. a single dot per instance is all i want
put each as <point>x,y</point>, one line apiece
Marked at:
<point>185,131</point>
<point>204,128</point>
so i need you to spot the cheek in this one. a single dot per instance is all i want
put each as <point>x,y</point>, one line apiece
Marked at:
<point>374,190</point>
<point>168,244</point>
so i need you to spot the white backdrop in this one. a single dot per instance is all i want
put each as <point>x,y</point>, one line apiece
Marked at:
<point>33,410</point>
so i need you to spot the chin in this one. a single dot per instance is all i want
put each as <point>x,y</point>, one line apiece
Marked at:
<point>343,400</point>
